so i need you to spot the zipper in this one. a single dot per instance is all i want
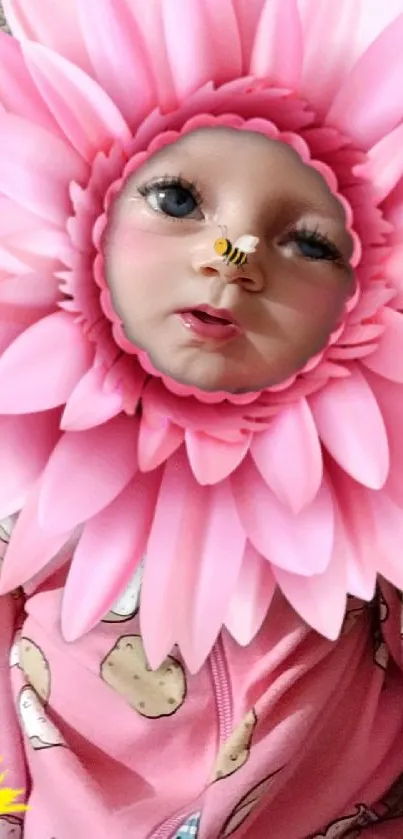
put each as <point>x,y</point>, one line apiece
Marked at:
<point>172,825</point>
<point>223,697</point>
<point>219,672</point>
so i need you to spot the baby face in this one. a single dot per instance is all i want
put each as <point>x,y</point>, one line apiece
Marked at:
<point>173,290</point>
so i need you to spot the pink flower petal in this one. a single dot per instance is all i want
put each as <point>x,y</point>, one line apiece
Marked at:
<point>19,308</point>
<point>18,93</point>
<point>25,445</point>
<point>53,23</point>
<point>178,520</point>
<point>158,403</point>
<point>149,18</point>
<point>124,377</point>
<point>393,207</point>
<point>30,548</point>
<point>351,427</point>
<point>320,600</point>
<point>42,249</point>
<point>301,544</point>
<point>118,56</point>
<point>157,443</point>
<point>9,332</point>
<point>360,333</point>
<point>189,45</point>
<point>384,167</point>
<point>14,219</point>
<point>38,182</point>
<point>41,368</point>
<point>189,518</point>
<point>12,264</point>
<point>390,400</point>
<point>251,599</point>
<point>288,455</point>
<point>212,578</point>
<point>387,360</point>
<point>374,298</point>
<point>330,33</point>
<point>275,57</point>
<point>22,317</point>
<point>27,238</point>
<point>86,472</point>
<point>354,534</point>
<point>212,460</point>
<point>388,522</point>
<point>89,118</point>
<point>394,271</point>
<point>226,47</point>
<point>248,13</point>
<point>89,404</point>
<point>29,291</point>
<point>372,24</point>
<point>102,566</point>
<point>351,354</point>
<point>369,103</point>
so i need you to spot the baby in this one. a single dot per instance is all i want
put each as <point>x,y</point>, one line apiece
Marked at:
<point>292,735</point>
<point>278,309</point>
<point>200,445</point>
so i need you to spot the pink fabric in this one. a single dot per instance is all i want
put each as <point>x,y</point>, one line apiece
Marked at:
<point>293,736</point>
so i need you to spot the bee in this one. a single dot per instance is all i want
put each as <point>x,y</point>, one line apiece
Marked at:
<point>237,253</point>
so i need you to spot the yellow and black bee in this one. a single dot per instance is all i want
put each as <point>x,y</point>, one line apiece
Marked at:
<point>237,253</point>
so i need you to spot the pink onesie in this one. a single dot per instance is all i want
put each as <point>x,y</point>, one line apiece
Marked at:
<point>293,737</point>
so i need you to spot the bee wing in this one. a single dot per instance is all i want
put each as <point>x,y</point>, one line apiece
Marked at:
<point>247,244</point>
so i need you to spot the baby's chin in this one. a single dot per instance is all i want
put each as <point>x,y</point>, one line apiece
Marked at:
<point>209,375</point>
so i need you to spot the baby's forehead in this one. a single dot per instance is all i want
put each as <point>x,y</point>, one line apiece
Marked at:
<point>210,143</point>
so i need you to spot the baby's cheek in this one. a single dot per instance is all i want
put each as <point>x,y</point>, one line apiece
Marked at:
<point>141,268</point>
<point>318,309</point>
<point>123,245</point>
<point>126,243</point>
<point>143,272</point>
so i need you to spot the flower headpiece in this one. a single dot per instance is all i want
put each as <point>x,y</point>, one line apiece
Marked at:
<point>299,486</point>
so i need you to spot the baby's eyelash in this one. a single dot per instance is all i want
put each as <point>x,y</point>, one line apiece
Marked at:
<point>170,181</point>
<point>315,236</point>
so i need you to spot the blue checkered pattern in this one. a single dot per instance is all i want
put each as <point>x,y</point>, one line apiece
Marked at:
<point>189,829</point>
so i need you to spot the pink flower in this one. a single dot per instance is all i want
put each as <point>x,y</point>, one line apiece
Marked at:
<point>300,486</point>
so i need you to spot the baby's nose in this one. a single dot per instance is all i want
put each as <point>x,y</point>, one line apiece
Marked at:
<point>248,274</point>
<point>216,266</point>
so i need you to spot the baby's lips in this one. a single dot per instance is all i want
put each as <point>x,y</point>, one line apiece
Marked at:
<point>221,315</point>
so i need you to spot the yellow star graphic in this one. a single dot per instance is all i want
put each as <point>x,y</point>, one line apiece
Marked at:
<point>8,798</point>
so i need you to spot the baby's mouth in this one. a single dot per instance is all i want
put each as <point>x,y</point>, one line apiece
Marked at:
<point>208,322</point>
<point>208,314</point>
<point>205,317</point>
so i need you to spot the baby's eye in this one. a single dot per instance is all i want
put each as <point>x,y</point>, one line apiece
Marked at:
<point>313,245</point>
<point>173,199</point>
<point>315,250</point>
